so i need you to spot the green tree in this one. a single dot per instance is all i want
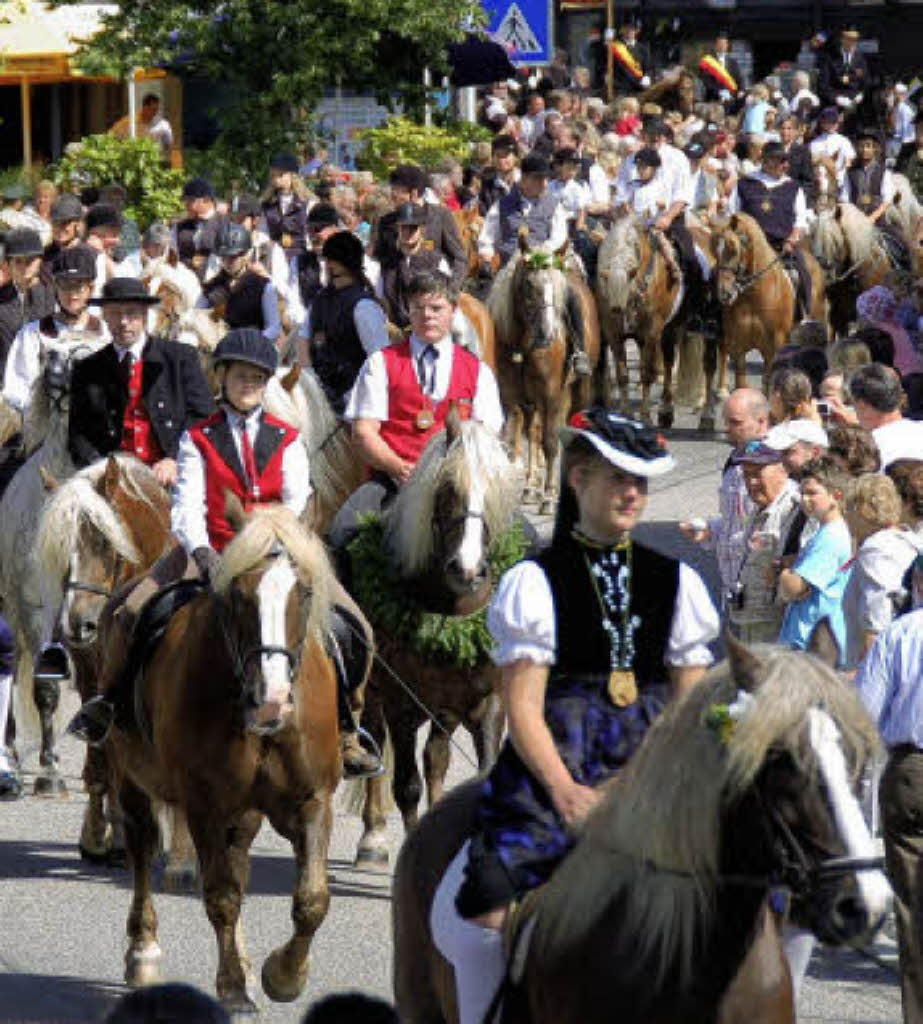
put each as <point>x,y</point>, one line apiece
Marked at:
<point>278,56</point>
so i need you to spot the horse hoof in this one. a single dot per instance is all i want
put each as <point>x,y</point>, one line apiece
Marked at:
<point>179,879</point>
<point>241,1008</point>
<point>50,786</point>
<point>94,855</point>
<point>707,424</point>
<point>665,420</point>
<point>372,859</point>
<point>547,506</point>
<point>142,967</point>
<point>722,393</point>
<point>280,985</point>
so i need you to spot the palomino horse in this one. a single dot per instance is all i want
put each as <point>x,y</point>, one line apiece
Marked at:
<point>758,297</point>
<point>469,223</point>
<point>660,914</point>
<point>240,721</point>
<point>848,248</point>
<point>29,599</point>
<point>639,298</point>
<point>535,302</point>
<point>482,338</point>
<point>98,529</point>
<point>466,491</point>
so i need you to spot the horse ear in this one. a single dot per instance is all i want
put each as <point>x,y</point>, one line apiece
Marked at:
<point>49,481</point>
<point>747,669</point>
<point>217,313</point>
<point>291,378</point>
<point>172,257</point>
<point>838,212</point>
<point>733,222</point>
<point>110,478</point>
<point>523,240</point>
<point>562,252</point>
<point>234,511</point>
<point>822,644</point>
<point>452,423</point>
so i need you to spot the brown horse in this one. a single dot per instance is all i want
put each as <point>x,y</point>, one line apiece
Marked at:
<point>98,529</point>
<point>758,297</point>
<point>848,248</point>
<point>465,487</point>
<point>484,342</point>
<point>535,301</point>
<point>639,298</point>
<point>469,223</point>
<point>660,912</point>
<point>237,718</point>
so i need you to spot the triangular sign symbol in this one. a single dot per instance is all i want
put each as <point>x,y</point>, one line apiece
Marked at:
<point>515,33</point>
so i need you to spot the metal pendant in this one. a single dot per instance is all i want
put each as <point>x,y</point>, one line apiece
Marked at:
<point>766,205</point>
<point>623,689</point>
<point>287,241</point>
<point>425,418</point>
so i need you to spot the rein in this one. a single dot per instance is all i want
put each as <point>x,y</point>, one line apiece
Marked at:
<point>743,281</point>
<point>87,588</point>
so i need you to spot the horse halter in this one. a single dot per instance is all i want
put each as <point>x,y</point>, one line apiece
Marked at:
<point>742,280</point>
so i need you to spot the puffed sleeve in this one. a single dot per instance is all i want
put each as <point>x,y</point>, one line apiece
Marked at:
<point>695,622</point>
<point>521,617</point>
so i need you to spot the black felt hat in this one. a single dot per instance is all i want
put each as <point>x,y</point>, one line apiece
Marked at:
<point>78,263</point>
<point>124,289</point>
<point>103,215</point>
<point>23,242</point>
<point>535,163</point>
<point>346,249</point>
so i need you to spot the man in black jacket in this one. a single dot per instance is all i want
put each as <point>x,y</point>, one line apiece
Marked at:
<point>721,76</point>
<point>25,293</point>
<point>138,394</point>
<point>843,74</point>
<point>800,167</point>
<point>440,232</point>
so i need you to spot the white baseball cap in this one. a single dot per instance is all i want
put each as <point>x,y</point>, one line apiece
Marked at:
<point>784,435</point>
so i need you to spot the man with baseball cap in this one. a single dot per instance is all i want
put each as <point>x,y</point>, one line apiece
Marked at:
<point>440,232</point>
<point>137,394</point>
<point>25,293</point>
<point>194,236</point>
<point>66,226</point>
<point>73,271</point>
<point>799,442</point>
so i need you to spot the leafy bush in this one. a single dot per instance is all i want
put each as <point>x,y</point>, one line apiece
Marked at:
<point>154,191</point>
<point>402,141</point>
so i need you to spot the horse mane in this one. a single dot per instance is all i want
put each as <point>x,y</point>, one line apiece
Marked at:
<point>184,285</point>
<point>619,259</point>
<point>199,323</point>
<point>36,420</point>
<point>501,302</point>
<point>267,527</point>
<point>76,503</point>
<point>760,248</point>
<point>476,450</point>
<point>859,232</point>
<point>828,239</point>
<point>650,852</point>
<point>906,212</point>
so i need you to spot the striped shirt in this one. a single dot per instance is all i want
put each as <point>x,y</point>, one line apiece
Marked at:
<point>890,681</point>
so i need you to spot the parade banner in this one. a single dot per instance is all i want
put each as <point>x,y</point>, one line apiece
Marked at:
<point>624,56</point>
<point>716,70</point>
<point>525,28</point>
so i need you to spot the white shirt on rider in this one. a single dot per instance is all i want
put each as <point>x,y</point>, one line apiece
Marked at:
<point>189,510</point>
<point>368,399</point>
<point>836,146</point>
<point>648,199</point>
<point>674,172</point>
<point>801,205</point>
<point>369,320</point>
<point>24,360</point>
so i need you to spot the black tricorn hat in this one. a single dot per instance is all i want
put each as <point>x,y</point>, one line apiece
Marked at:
<point>124,289</point>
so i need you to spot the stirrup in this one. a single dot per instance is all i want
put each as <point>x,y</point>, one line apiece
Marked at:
<point>374,753</point>
<point>52,663</point>
<point>93,722</point>
<point>580,363</point>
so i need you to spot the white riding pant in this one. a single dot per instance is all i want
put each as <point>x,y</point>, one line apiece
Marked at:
<point>799,945</point>
<point>476,953</point>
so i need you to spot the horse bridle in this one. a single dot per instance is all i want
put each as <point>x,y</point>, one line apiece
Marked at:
<point>742,280</point>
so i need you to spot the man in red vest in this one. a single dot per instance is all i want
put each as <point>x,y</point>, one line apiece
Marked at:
<point>402,396</point>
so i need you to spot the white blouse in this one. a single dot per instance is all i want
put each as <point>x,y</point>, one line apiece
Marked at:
<point>521,619</point>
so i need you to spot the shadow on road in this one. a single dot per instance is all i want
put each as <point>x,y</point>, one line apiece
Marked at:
<point>49,997</point>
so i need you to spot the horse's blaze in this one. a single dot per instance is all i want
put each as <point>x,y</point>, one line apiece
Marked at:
<point>273,598</point>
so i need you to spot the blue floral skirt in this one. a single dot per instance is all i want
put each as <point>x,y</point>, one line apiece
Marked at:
<point>520,838</point>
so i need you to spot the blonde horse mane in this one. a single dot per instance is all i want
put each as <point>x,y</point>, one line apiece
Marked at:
<point>267,528</point>
<point>860,234</point>
<point>76,503</point>
<point>477,450</point>
<point>658,829</point>
<point>619,258</point>
<point>500,301</point>
<point>905,211</point>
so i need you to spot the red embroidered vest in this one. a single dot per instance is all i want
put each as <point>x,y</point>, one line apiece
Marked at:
<point>221,477</point>
<point>137,432</point>
<point>406,399</point>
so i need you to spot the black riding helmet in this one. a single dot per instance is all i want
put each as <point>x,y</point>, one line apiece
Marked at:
<point>246,345</point>
<point>233,240</point>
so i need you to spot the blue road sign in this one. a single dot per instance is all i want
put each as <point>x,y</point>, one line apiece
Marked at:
<point>524,27</point>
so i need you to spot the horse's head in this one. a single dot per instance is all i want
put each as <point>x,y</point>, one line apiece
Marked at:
<point>733,258</point>
<point>464,485</point>
<point>619,262</point>
<point>540,294</point>
<point>800,821</point>
<point>272,596</point>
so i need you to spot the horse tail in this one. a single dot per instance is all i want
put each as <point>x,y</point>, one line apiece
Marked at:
<point>690,370</point>
<point>352,792</point>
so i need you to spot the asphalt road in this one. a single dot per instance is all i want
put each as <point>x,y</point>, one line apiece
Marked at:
<point>62,923</point>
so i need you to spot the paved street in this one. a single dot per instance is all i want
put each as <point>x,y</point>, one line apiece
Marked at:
<point>62,923</point>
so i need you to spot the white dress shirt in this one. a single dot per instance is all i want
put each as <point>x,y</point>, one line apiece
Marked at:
<point>368,399</point>
<point>24,361</point>
<point>801,206</point>
<point>490,232</point>
<point>573,195</point>
<point>674,173</point>
<point>188,514</point>
<point>370,322</point>
<point>648,199</point>
<point>832,144</point>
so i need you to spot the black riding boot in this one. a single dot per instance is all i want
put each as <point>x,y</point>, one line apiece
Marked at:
<point>575,329</point>
<point>350,655</point>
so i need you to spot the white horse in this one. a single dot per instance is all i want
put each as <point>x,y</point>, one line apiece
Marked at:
<point>29,599</point>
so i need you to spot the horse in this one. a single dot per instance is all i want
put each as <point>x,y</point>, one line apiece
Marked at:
<point>469,223</point>
<point>848,248</point>
<point>28,605</point>
<point>639,298</point>
<point>238,720</point>
<point>535,300</point>
<point>478,333</point>
<point>758,297</point>
<point>660,914</point>
<point>98,529</point>
<point>466,491</point>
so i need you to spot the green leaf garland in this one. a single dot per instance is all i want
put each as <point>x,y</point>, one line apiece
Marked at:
<point>386,599</point>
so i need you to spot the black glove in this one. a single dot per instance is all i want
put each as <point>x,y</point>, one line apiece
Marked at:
<point>208,562</point>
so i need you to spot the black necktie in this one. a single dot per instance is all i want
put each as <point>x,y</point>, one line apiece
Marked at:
<point>426,368</point>
<point>125,368</point>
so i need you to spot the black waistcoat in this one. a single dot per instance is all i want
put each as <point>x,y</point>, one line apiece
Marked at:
<point>309,281</point>
<point>337,354</point>
<point>583,646</point>
<point>243,302</point>
<point>396,279</point>
<point>772,208</point>
<point>289,229</point>
<point>865,186</point>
